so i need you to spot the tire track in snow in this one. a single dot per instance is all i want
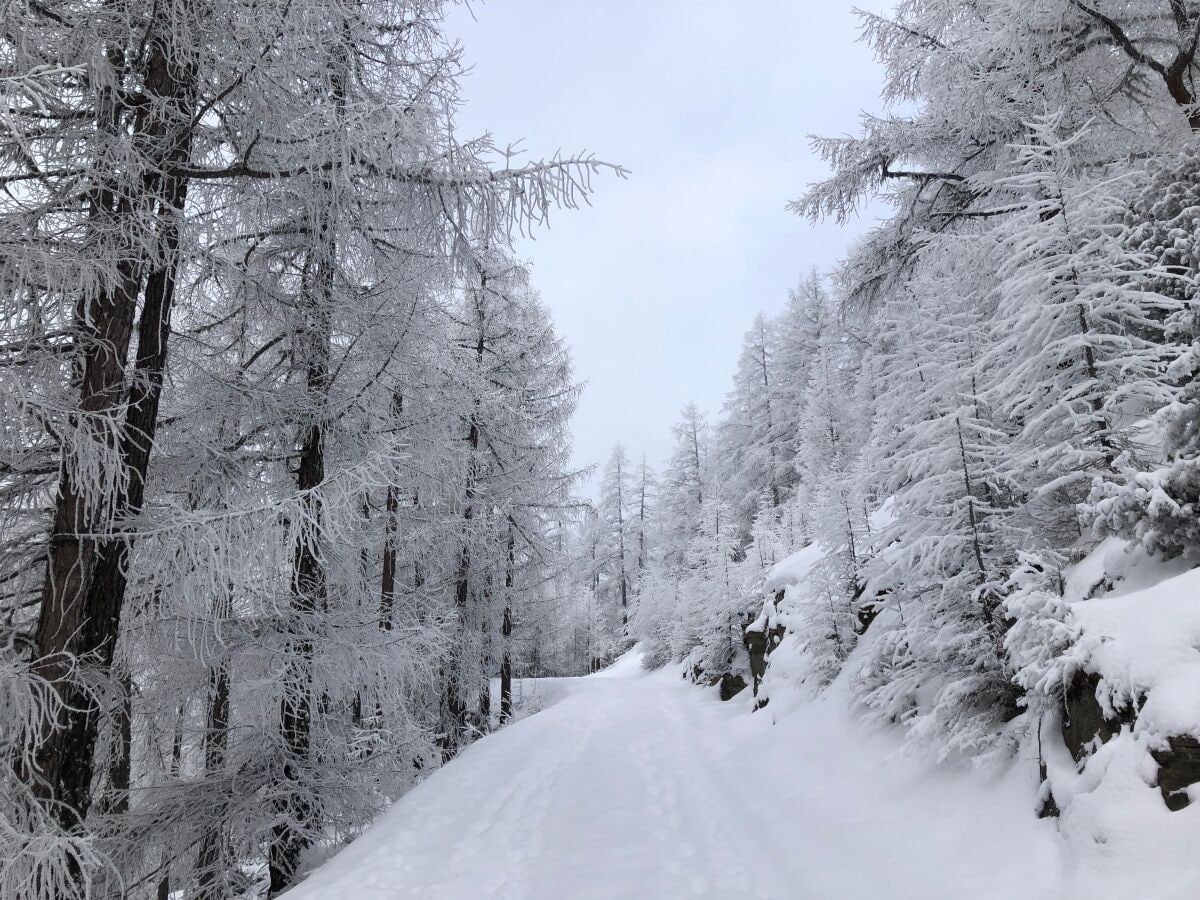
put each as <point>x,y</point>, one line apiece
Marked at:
<point>609,793</point>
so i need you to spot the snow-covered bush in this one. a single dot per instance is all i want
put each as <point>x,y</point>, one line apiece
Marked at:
<point>1040,633</point>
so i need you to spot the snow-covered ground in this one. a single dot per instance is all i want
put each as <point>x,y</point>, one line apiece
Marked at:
<point>628,785</point>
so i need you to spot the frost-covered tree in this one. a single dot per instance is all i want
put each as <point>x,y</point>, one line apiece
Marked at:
<point>749,452</point>
<point>1016,316</point>
<point>228,568</point>
<point>516,399</point>
<point>685,484</point>
<point>799,328</point>
<point>1158,508</point>
<point>708,630</point>
<point>618,514</point>
<point>1080,358</point>
<point>644,515</point>
<point>829,443</point>
<point>941,562</point>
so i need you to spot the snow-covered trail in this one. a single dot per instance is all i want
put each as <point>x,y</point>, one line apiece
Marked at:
<point>633,786</point>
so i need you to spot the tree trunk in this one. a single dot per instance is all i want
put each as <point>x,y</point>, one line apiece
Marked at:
<point>85,583</point>
<point>621,549</point>
<point>122,745</point>
<point>506,629</point>
<point>164,883</point>
<point>297,806</point>
<point>641,562</point>
<point>387,591</point>
<point>454,704</point>
<point>211,855</point>
<point>308,596</point>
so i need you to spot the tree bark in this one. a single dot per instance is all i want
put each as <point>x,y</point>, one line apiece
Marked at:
<point>454,704</point>
<point>122,745</point>
<point>506,629</point>
<point>308,595</point>
<point>85,581</point>
<point>387,591</point>
<point>211,855</point>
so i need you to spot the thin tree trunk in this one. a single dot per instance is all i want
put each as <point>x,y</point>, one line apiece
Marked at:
<point>506,629</point>
<point>483,717</point>
<point>642,519</point>
<point>973,522</point>
<point>387,590</point>
<point>164,883</point>
<point>211,855</point>
<point>776,496</point>
<point>621,548</point>
<point>298,808</point>
<point>454,704</point>
<point>308,596</point>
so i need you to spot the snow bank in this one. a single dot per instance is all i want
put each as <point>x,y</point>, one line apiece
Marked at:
<point>793,569</point>
<point>1145,646</point>
<point>1140,640</point>
<point>630,664</point>
<point>1134,627</point>
<point>1119,839</point>
<point>887,822</point>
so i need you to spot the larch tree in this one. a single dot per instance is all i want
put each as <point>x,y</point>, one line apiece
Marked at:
<point>617,512</point>
<point>276,192</point>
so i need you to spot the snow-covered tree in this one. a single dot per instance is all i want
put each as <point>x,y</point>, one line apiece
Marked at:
<point>1158,508</point>
<point>750,454</point>
<point>229,560</point>
<point>685,484</point>
<point>1079,359</point>
<point>617,513</point>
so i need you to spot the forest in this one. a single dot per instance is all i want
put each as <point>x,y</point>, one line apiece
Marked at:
<point>288,510</point>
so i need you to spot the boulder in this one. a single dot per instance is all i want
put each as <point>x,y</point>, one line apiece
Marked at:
<point>732,684</point>
<point>759,643</point>
<point>1178,767</point>
<point>1084,723</point>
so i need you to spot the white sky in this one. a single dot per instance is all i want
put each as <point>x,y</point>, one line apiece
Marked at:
<point>709,105</point>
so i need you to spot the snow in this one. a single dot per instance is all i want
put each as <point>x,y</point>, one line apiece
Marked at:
<point>795,568</point>
<point>1116,838</point>
<point>636,785</point>
<point>629,784</point>
<point>628,665</point>
<point>1147,644</point>
<point>1119,839</point>
<point>1142,636</point>
<point>1115,562</point>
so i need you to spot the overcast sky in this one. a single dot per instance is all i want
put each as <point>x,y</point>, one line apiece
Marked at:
<point>709,105</point>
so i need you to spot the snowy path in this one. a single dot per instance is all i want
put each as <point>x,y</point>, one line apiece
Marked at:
<point>645,787</point>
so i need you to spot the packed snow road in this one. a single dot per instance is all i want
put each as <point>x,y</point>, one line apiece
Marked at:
<point>635,786</point>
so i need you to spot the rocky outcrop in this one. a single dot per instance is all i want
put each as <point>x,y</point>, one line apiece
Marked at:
<point>732,684</point>
<point>1085,727</point>
<point>1178,768</point>
<point>729,683</point>
<point>760,641</point>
